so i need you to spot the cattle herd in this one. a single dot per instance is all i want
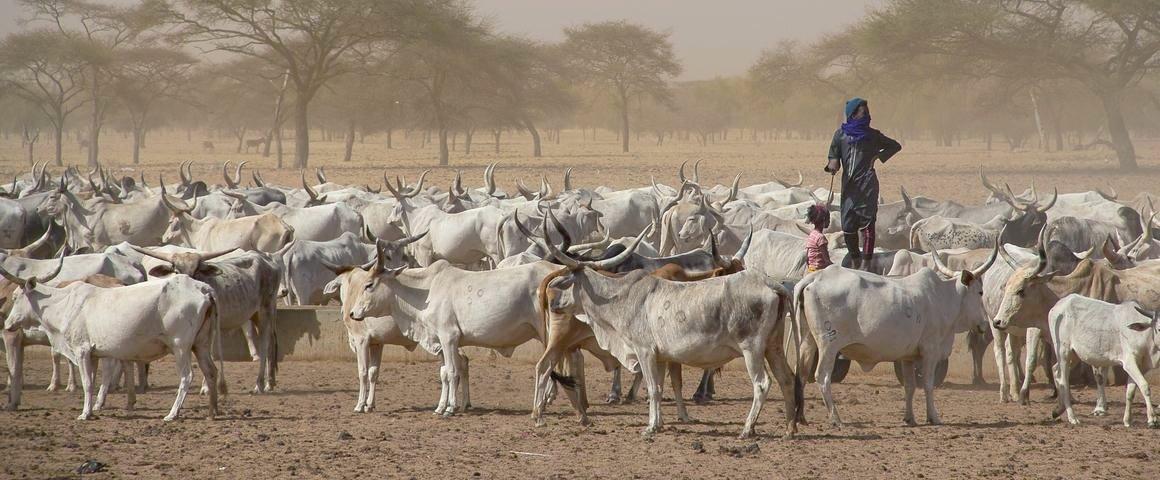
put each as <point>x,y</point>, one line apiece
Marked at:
<point>646,280</point>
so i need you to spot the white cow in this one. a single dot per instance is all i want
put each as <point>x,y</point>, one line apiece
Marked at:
<point>872,319</point>
<point>1104,335</point>
<point>141,322</point>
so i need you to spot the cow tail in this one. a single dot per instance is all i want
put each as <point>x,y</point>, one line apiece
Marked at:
<point>568,382</point>
<point>215,319</point>
<point>797,318</point>
<point>273,351</point>
<point>787,304</point>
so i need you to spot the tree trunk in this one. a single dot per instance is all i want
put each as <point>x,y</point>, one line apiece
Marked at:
<point>444,153</point>
<point>278,145</point>
<point>1039,122</point>
<point>496,133</point>
<point>987,137</point>
<point>240,133</point>
<point>467,134</point>
<point>138,137</point>
<point>1121,141</point>
<point>624,122</point>
<point>301,131</point>
<point>349,142</point>
<point>389,138</point>
<point>536,151</point>
<point>58,135</point>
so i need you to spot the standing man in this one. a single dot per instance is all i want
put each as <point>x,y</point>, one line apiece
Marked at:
<point>853,150</point>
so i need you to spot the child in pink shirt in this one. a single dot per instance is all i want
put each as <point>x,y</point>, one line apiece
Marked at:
<point>817,247</point>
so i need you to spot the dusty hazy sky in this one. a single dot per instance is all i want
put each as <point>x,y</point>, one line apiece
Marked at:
<point>712,38</point>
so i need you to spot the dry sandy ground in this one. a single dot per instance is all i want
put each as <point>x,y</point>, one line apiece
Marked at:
<point>305,428</point>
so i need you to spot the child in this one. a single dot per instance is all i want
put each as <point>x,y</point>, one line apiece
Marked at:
<point>817,247</point>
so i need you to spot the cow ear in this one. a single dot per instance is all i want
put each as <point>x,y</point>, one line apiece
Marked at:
<point>967,278</point>
<point>208,270</point>
<point>1140,326</point>
<point>161,271</point>
<point>332,287</point>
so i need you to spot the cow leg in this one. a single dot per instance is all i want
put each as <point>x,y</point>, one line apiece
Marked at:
<point>676,376</point>
<point>463,380</point>
<point>977,344</point>
<point>928,367</point>
<point>86,372</point>
<point>702,395</point>
<point>110,370</point>
<point>263,347</point>
<point>185,377</point>
<point>142,377</point>
<point>651,372</point>
<point>755,365</point>
<point>251,346</point>
<point>442,405</point>
<point>1129,395</point>
<point>576,361</point>
<point>614,393</point>
<point>451,361</point>
<point>807,358</point>
<point>14,355</point>
<point>1101,376</point>
<point>789,385</point>
<point>908,381</point>
<point>1141,382</point>
<point>1048,362</point>
<point>1029,367</point>
<point>825,370</point>
<point>548,359</point>
<point>54,379</point>
<point>374,360</point>
<point>1001,362</point>
<point>631,395</point>
<point>204,355</point>
<point>130,386</point>
<point>1062,371</point>
<point>71,384</point>
<point>361,353</point>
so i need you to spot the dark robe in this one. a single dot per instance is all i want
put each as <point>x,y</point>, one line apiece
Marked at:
<point>859,182</point>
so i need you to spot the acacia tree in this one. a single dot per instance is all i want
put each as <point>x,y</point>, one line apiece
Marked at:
<point>45,70</point>
<point>627,59</point>
<point>97,32</point>
<point>528,85</point>
<point>146,76</point>
<point>1106,45</point>
<point>310,39</point>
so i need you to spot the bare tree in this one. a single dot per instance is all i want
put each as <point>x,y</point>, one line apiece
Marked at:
<point>146,76</point>
<point>630,59</point>
<point>44,69</point>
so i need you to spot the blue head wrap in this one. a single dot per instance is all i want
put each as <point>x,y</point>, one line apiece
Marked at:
<point>856,129</point>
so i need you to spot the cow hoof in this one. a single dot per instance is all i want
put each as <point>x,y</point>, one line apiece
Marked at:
<point>685,418</point>
<point>540,422</point>
<point>369,409</point>
<point>648,432</point>
<point>585,422</point>
<point>612,398</point>
<point>169,418</point>
<point>745,435</point>
<point>1073,421</point>
<point>204,390</point>
<point>70,388</point>
<point>1099,412</point>
<point>450,412</point>
<point>85,416</point>
<point>934,421</point>
<point>909,421</point>
<point>360,408</point>
<point>700,400</point>
<point>51,388</point>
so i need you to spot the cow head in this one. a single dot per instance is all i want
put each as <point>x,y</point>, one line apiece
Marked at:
<point>315,199</point>
<point>1026,289</point>
<point>1024,228</point>
<point>187,263</point>
<point>562,297</point>
<point>25,310</point>
<point>694,223</point>
<point>969,286</point>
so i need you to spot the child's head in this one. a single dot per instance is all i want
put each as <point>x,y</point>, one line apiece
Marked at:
<point>819,216</point>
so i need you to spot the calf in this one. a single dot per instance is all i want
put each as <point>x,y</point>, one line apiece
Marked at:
<point>1103,335</point>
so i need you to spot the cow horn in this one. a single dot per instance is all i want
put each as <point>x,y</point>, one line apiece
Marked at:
<point>656,190</point>
<point>165,198</point>
<point>939,267</point>
<point>524,191</point>
<point>92,184</point>
<point>978,272</point>
<point>375,191</point>
<point>12,278</point>
<point>457,185</point>
<point>257,179</point>
<point>712,243</point>
<point>163,256</point>
<point>602,244</point>
<point>238,172</point>
<point>545,187</point>
<point>712,211</point>
<point>38,178</point>
<point>213,255</point>
<point>1111,197</point>
<point>226,175</point>
<point>568,179</point>
<point>681,172</point>
<point>320,174</point>
<point>28,249</point>
<point>547,244</point>
<point>906,200</point>
<point>1054,198</point>
<point>1008,258</point>
<point>56,271</point>
<point>520,226</point>
<point>309,191</point>
<point>181,173</point>
<point>411,239</point>
<point>489,179</point>
<point>233,194</point>
<point>1147,235</point>
<point>740,255</point>
<point>418,188</point>
<point>697,171</point>
<point>611,263</point>
<point>387,182</point>
<point>987,184</point>
<point>565,238</point>
<point>734,190</point>
<point>1041,250</point>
